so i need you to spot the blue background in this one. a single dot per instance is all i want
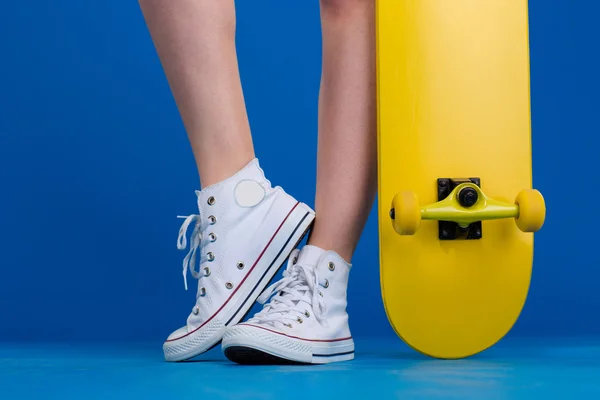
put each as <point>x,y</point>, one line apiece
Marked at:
<point>95,165</point>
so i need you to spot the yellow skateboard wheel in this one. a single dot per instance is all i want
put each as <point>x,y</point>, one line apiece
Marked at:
<point>532,210</point>
<point>405,213</point>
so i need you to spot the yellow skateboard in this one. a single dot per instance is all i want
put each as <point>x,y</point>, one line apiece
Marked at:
<point>456,207</point>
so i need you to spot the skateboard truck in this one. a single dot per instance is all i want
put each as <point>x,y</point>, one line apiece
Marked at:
<point>462,206</point>
<point>467,197</point>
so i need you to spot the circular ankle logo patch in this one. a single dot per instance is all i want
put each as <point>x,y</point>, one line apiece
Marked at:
<point>249,193</point>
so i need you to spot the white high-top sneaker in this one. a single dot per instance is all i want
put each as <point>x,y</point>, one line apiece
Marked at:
<point>243,233</point>
<point>306,319</point>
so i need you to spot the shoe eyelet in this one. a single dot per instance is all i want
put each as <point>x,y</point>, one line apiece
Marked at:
<point>320,293</point>
<point>300,320</point>
<point>240,265</point>
<point>326,285</point>
<point>210,256</point>
<point>294,260</point>
<point>206,271</point>
<point>331,266</point>
<point>212,237</point>
<point>212,220</point>
<point>229,285</point>
<point>211,201</point>
<point>307,314</point>
<point>196,310</point>
<point>202,292</point>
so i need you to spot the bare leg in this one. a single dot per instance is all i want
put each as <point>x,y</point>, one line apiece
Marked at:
<point>347,155</point>
<point>195,40</point>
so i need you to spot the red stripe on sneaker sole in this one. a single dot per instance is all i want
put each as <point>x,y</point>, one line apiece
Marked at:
<point>296,337</point>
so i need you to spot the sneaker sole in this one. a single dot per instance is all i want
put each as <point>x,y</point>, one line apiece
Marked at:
<point>252,345</point>
<point>287,237</point>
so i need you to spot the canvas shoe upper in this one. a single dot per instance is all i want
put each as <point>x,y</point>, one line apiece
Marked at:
<point>305,320</point>
<point>244,231</point>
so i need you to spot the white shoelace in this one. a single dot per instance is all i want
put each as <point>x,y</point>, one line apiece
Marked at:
<point>189,262</point>
<point>298,281</point>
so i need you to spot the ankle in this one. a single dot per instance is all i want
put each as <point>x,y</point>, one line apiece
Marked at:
<point>344,250</point>
<point>213,171</point>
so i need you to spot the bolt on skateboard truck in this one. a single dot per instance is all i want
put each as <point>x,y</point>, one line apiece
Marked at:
<point>466,206</point>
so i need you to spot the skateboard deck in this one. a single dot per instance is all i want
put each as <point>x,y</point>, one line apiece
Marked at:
<point>454,124</point>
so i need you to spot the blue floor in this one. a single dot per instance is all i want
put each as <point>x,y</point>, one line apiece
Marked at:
<point>514,369</point>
